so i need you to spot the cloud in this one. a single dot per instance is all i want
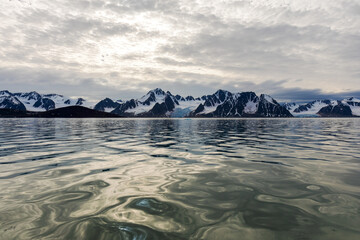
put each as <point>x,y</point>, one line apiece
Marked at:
<point>72,84</point>
<point>119,47</point>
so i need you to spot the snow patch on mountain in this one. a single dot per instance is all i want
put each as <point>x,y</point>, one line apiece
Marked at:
<point>269,99</point>
<point>313,110</point>
<point>108,109</point>
<point>141,108</point>
<point>355,110</point>
<point>251,107</point>
<point>209,109</point>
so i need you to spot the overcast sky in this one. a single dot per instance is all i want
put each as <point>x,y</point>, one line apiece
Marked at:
<point>291,49</point>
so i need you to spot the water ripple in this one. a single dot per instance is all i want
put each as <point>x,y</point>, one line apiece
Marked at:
<point>179,179</point>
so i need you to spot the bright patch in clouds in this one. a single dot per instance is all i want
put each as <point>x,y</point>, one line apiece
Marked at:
<point>290,49</point>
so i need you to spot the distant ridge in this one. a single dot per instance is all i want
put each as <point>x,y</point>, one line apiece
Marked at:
<point>160,103</point>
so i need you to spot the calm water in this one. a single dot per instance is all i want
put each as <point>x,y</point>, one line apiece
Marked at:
<point>179,179</point>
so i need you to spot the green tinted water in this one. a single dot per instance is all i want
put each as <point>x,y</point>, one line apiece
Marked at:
<point>179,179</point>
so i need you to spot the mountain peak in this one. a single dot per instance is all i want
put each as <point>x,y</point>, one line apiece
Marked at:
<point>222,94</point>
<point>29,95</point>
<point>157,91</point>
<point>5,92</point>
<point>221,90</point>
<point>80,101</point>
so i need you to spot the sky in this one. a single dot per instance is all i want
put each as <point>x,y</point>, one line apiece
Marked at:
<point>293,50</point>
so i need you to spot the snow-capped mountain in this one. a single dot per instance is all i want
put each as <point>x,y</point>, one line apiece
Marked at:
<point>307,109</point>
<point>311,108</point>
<point>245,104</point>
<point>9,101</point>
<point>291,106</point>
<point>158,103</point>
<point>347,107</point>
<point>336,109</point>
<point>33,101</point>
<point>354,104</point>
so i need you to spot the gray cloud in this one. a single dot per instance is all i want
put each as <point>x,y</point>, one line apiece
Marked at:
<point>293,50</point>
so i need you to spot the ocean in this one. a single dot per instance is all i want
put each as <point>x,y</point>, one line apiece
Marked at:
<point>180,179</point>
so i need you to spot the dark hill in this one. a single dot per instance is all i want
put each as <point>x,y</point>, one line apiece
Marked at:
<point>72,112</point>
<point>339,110</point>
<point>65,112</point>
<point>9,113</point>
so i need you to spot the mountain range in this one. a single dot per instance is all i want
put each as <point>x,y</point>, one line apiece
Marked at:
<point>349,107</point>
<point>33,101</point>
<point>158,103</point>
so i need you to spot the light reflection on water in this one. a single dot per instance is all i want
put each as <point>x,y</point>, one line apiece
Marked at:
<point>179,179</point>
